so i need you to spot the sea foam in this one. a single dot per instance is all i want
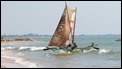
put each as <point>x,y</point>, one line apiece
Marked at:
<point>31,48</point>
<point>103,51</point>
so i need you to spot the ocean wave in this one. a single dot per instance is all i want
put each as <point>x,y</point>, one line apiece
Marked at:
<point>104,51</point>
<point>31,48</point>
<point>8,48</point>
<point>23,48</point>
<point>37,48</point>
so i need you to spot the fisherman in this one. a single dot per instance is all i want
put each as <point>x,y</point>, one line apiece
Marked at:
<point>74,46</point>
<point>69,47</point>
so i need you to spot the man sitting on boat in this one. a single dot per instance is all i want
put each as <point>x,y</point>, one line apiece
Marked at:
<point>71,47</point>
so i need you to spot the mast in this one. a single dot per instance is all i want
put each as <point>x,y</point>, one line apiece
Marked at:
<point>74,26</point>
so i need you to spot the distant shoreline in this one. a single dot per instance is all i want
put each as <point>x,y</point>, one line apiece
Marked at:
<point>16,40</point>
<point>2,42</point>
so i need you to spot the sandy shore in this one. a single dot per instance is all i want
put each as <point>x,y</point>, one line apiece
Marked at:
<point>10,63</point>
<point>15,62</point>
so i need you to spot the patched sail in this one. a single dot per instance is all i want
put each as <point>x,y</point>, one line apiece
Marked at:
<point>63,34</point>
<point>72,17</point>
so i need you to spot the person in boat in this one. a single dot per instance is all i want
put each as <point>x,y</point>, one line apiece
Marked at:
<point>71,47</point>
<point>67,48</point>
<point>74,46</point>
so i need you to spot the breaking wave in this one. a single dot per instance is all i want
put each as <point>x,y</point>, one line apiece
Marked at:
<point>26,48</point>
<point>104,51</point>
<point>23,48</point>
<point>8,48</point>
<point>32,48</point>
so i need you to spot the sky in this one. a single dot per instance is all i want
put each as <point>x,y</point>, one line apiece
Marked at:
<point>42,17</point>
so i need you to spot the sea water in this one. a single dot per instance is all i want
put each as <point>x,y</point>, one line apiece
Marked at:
<point>31,54</point>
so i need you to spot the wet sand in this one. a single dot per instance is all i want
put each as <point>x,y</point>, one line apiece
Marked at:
<point>14,62</point>
<point>10,63</point>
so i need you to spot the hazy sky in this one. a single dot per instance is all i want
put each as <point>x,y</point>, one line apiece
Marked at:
<point>42,17</point>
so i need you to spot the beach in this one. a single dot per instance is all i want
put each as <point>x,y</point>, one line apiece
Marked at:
<point>8,60</point>
<point>14,62</point>
<point>9,63</point>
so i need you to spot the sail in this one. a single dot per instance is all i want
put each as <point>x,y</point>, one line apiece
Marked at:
<point>63,34</point>
<point>72,15</point>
